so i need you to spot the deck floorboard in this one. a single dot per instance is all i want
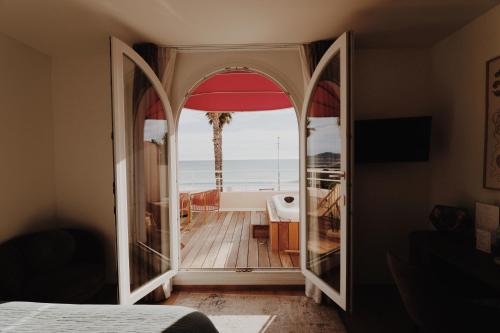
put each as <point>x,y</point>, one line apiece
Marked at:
<point>224,240</point>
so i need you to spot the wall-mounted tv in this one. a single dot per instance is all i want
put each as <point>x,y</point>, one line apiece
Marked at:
<point>392,140</point>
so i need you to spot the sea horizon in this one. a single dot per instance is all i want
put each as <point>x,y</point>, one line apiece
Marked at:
<point>240,175</point>
<point>246,159</point>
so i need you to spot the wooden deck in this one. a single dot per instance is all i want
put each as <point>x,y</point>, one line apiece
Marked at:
<point>224,240</point>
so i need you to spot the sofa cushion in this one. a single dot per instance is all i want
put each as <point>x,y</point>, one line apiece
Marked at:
<point>47,250</point>
<point>13,270</point>
<point>59,265</point>
<point>73,283</point>
<point>29,254</point>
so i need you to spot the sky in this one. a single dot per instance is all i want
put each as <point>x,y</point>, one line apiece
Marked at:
<point>325,136</point>
<point>250,135</point>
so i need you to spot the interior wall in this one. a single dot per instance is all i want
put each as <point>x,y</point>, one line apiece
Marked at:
<point>82,150</point>
<point>26,139</point>
<point>251,200</point>
<point>83,122</point>
<point>83,147</point>
<point>459,67</point>
<point>390,199</point>
<point>81,93</point>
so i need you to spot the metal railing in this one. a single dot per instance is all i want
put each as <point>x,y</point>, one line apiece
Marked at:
<point>240,180</point>
<point>324,178</point>
<point>257,179</point>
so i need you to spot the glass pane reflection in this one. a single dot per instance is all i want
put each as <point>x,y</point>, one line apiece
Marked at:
<point>147,177</point>
<point>323,182</point>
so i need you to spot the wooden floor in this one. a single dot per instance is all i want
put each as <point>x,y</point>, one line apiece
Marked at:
<point>224,240</point>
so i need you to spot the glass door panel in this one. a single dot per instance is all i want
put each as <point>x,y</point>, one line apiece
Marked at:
<point>147,177</point>
<point>145,190</point>
<point>323,188</point>
<point>326,128</point>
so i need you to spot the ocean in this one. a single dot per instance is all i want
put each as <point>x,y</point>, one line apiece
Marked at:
<point>240,175</point>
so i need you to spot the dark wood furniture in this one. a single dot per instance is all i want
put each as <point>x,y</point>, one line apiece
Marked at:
<point>434,307</point>
<point>453,257</point>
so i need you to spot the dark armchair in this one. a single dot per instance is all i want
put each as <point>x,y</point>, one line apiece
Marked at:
<point>434,307</point>
<point>57,266</point>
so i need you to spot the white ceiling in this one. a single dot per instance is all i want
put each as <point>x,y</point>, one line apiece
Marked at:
<point>59,27</point>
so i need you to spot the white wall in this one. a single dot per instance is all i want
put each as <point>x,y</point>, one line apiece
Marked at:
<point>390,199</point>
<point>254,200</point>
<point>82,125</point>
<point>459,66</point>
<point>26,139</point>
<point>81,93</point>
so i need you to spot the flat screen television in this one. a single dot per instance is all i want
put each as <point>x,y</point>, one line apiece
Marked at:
<point>392,140</point>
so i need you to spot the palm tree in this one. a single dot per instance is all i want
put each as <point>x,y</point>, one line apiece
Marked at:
<point>309,129</point>
<point>218,120</point>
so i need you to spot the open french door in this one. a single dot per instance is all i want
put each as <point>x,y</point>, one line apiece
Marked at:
<point>326,172</point>
<point>145,184</point>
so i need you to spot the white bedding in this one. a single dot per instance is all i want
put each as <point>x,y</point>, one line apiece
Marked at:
<point>43,317</point>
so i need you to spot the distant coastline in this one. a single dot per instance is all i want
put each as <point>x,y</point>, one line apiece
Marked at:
<point>240,175</point>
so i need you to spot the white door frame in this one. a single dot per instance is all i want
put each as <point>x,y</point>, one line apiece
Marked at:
<point>341,46</point>
<point>226,277</point>
<point>257,276</point>
<point>126,296</point>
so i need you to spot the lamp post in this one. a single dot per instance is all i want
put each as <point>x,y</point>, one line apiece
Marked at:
<point>279,181</point>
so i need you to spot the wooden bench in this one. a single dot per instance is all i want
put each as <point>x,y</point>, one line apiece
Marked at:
<point>283,234</point>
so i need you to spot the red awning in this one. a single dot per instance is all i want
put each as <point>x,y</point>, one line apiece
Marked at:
<point>154,106</point>
<point>238,91</point>
<point>325,100</point>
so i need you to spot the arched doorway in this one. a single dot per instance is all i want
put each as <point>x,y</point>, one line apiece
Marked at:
<point>250,121</point>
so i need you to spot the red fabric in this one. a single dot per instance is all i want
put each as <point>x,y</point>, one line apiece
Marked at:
<point>325,100</point>
<point>155,108</point>
<point>237,91</point>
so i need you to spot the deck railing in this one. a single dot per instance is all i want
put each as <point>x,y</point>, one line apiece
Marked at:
<point>324,193</point>
<point>240,180</point>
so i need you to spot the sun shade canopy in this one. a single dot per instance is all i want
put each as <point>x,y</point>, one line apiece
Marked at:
<point>237,91</point>
<point>325,101</point>
<point>154,106</point>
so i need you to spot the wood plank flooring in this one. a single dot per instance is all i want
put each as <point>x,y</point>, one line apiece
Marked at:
<point>224,240</point>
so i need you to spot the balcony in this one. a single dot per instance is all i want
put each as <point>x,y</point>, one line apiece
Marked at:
<point>223,240</point>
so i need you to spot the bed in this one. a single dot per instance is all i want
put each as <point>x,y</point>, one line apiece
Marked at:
<point>48,317</point>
